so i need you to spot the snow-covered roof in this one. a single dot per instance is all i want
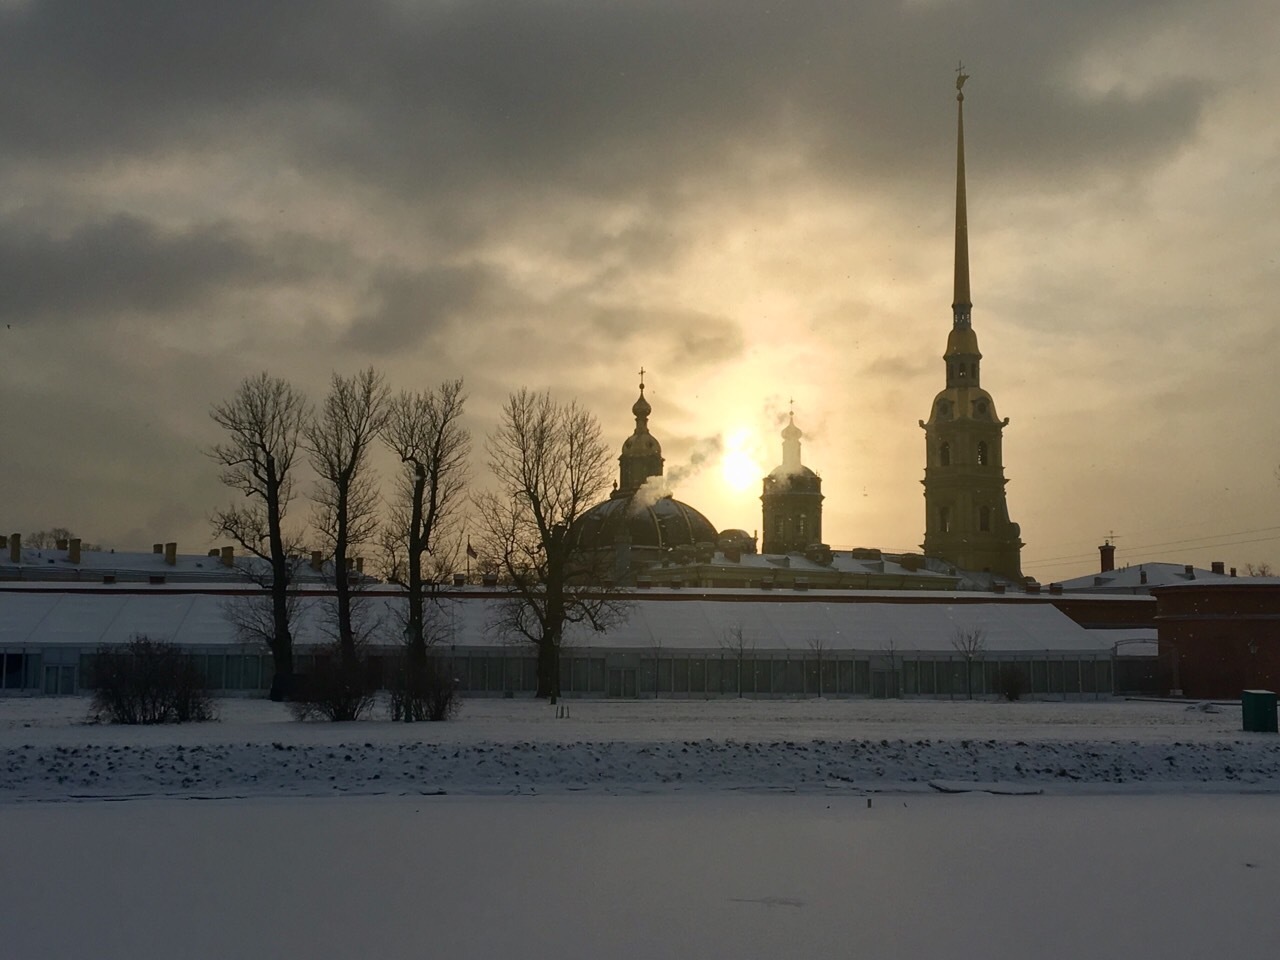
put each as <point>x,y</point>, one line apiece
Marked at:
<point>55,565</point>
<point>1130,579</point>
<point>661,620</point>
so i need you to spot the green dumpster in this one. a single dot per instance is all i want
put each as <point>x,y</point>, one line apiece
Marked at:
<point>1259,708</point>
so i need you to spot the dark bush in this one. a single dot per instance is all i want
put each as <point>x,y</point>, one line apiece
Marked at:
<point>336,687</point>
<point>1011,682</point>
<point>421,688</point>
<point>147,681</point>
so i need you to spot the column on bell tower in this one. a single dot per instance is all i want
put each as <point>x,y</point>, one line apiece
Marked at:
<point>791,500</point>
<point>966,513</point>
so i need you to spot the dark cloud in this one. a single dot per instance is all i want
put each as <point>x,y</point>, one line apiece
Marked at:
<point>412,305</point>
<point>124,263</point>
<point>440,100</point>
<point>683,339</point>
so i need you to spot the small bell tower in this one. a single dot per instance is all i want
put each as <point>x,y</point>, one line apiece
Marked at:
<point>791,499</point>
<point>641,453</point>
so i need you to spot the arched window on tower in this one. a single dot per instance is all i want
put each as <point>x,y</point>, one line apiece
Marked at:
<point>982,453</point>
<point>984,519</point>
<point>944,518</point>
<point>944,454</point>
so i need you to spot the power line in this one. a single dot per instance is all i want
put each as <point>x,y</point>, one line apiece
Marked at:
<point>1182,545</point>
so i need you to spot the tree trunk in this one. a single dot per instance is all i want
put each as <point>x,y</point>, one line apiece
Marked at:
<point>548,670</point>
<point>282,682</point>
<point>416,547</point>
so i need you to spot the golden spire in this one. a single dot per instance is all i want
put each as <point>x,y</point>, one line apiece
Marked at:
<point>961,305</point>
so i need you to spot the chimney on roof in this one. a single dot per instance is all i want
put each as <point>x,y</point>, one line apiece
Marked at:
<point>1233,571</point>
<point>227,556</point>
<point>214,552</point>
<point>459,579</point>
<point>171,553</point>
<point>1055,589</point>
<point>15,548</point>
<point>1142,576</point>
<point>73,550</point>
<point>997,588</point>
<point>317,561</point>
<point>1189,572</point>
<point>157,548</point>
<point>1107,554</point>
<point>61,543</point>
<point>359,564</point>
<point>1219,567</point>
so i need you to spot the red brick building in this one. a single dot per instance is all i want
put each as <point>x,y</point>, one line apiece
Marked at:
<point>1216,639</point>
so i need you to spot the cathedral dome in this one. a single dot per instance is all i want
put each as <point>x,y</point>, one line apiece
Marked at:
<point>664,524</point>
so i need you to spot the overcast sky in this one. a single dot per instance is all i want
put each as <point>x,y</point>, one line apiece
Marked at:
<point>752,200</point>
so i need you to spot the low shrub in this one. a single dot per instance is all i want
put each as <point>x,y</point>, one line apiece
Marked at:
<point>336,688</point>
<point>147,681</point>
<point>421,689</point>
<point>1011,682</point>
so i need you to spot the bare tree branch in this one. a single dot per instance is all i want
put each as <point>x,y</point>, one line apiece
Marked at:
<point>263,421</point>
<point>425,431</point>
<point>551,466</point>
<point>339,439</point>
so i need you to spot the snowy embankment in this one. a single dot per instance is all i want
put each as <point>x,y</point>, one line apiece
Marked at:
<point>512,747</point>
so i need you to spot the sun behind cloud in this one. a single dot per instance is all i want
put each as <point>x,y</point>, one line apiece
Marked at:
<point>739,465</point>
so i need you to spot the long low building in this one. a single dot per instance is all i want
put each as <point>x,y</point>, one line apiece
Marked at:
<point>679,642</point>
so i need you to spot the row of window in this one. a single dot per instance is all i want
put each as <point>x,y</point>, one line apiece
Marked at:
<point>810,676</point>
<point>640,675</point>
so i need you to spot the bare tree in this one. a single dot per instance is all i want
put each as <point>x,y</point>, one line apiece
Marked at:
<point>818,645</point>
<point>894,656</point>
<point>551,466</point>
<point>735,641</point>
<point>48,539</point>
<point>340,439</point>
<point>263,421</point>
<point>970,643</point>
<point>1258,569</point>
<point>425,431</point>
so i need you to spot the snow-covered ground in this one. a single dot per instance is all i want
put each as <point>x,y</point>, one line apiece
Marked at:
<point>47,752</point>
<point>704,875</point>
<point>722,829</point>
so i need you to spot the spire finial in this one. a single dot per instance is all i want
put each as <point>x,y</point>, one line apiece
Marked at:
<point>641,407</point>
<point>961,304</point>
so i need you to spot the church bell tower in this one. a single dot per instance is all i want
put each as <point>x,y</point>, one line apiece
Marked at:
<point>966,515</point>
<point>791,500</point>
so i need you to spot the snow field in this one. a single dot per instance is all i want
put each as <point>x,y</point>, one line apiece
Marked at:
<point>519,747</point>
<point>704,875</point>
